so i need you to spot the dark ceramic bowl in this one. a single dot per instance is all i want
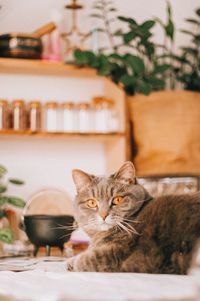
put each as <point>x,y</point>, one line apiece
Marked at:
<point>48,230</point>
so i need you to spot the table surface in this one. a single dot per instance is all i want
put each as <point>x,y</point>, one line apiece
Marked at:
<point>45,279</point>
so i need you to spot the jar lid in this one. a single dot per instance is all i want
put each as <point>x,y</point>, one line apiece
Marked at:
<point>108,102</point>
<point>34,104</point>
<point>18,102</point>
<point>98,99</point>
<point>83,106</point>
<point>51,105</point>
<point>68,105</point>
<point>3,102</point>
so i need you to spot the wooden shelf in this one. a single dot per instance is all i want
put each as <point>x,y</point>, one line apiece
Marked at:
<point>61,135</point>
<point>116,145</point>
<point>40,67</point>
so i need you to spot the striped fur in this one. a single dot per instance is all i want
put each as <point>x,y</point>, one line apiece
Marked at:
<point>141,234</point>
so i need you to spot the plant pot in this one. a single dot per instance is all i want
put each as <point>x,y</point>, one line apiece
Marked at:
<point>166,132</point>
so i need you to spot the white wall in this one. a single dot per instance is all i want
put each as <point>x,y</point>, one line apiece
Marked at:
<point>49,162</point>
<point>16,15</point>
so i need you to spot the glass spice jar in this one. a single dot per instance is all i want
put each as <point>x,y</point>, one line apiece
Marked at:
<point>105,115</point>
<point>69,117</point>
<point>3,114</point>
<point>34,116</point>
<point>51,116</point>
<point>18,115</point>
<point>114,121</point>
<point>84,117</point>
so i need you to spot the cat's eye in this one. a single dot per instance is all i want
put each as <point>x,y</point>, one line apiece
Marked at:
<point>117,200</point>
<point>91,203</point>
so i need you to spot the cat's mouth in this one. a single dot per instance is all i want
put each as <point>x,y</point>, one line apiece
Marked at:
<point>105,226</point>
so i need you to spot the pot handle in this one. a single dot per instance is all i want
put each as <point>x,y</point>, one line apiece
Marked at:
<point>21,224</point>
<point>44,30</point>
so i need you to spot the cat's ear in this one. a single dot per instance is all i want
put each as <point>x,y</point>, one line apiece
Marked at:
<point>126,173</point>
<point>81,179</point>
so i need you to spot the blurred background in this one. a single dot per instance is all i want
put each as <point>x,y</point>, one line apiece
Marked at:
<point>55,117</point>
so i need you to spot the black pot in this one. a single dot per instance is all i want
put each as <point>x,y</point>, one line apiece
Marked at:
<point>48,230</point>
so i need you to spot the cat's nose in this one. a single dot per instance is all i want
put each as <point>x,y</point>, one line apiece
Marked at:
<point>103,214</point>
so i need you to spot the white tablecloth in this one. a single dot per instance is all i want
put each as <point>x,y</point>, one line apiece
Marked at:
<point>49,281</point>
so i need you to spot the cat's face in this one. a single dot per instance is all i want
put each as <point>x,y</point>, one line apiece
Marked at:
<point>106,202</point>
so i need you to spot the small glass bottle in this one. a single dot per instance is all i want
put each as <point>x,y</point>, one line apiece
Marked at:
<point>84,117</point>
<point>51,117</point>
<point>114,123</point>
<point>34,114</point>
<point>18,115</point>
<point>3,114</point>
<point>106,117</point>
<point>69,116</point>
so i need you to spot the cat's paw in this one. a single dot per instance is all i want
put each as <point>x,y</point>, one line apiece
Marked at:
<point>70,263</point>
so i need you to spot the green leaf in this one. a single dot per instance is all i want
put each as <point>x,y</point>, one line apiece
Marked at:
<point>112,9</point>
<point>118,32</point>
<point>147,25</point>
<point>2,213</point>
<point>16,181</point>
<point>128,80</point>
<point>97,7</point>
<point>127,20</point>
<point>145,88</point>
<point>196,39</point>
<point>3,200</point>
<point>128,37</point>
<point>3,188</point>
<point>193,21</point>
<point>160,22</point>
<point>84,57</point>
<point>170,29</point>
<point>100,29</point>
<point>198,12</point>
<point>156,83</point>
<point>188,32</point>
<point>96,16</point>
<point>137,64</point>
<point>6,235</point>
<point>190,50</point>
<point>161,68</point>
<point>17,202</point>
<point>3,170</point>
<point>116,56</point>
<point>169,10</point>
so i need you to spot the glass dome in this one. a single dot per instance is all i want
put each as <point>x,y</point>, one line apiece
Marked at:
<point>49,201</point>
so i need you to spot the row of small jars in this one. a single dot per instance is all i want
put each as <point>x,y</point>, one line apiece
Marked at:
<point>98,116</point>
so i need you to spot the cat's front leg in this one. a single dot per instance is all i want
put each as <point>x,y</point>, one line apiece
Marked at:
<point>81,263</point>
<point>97,260</point>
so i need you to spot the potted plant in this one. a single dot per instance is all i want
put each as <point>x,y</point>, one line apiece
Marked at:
<point>165,121</point>
<point>131,60</point>
<point>6,202</point>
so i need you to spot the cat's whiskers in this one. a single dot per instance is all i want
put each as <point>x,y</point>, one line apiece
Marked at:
<point>132,220</point>
<point>120,221</point>
<point>132,229</point>
<point>70,227</point>
<point>123,227</point>
<point>90,222</point>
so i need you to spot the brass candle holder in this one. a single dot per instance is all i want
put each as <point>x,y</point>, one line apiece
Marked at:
<point>74,38</point>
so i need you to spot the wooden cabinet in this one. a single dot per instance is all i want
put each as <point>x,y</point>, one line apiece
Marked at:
<point>116,145</point>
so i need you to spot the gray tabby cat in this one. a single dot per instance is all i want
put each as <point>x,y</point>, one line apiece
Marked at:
<point>131,231</point>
